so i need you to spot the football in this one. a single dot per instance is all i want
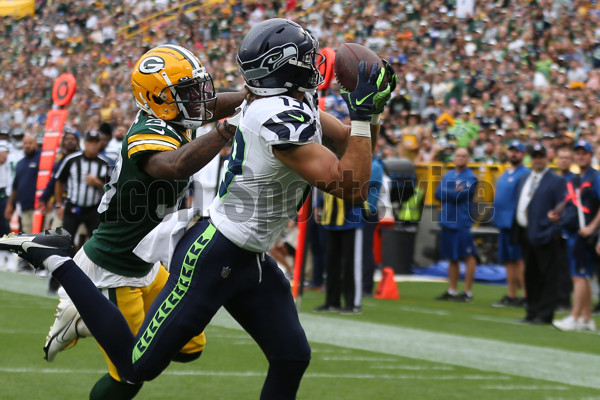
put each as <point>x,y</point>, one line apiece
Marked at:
<point>347,58</point>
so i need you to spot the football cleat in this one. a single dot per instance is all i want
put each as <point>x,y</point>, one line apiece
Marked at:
<point>63,333</point>
<point>35,248</point>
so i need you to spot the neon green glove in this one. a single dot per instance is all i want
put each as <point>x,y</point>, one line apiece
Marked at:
<point>381,98</point>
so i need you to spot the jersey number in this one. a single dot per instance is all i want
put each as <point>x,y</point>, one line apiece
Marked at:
<point>297,103</point>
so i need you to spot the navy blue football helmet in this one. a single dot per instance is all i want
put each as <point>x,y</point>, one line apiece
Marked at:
<point>278,55</point>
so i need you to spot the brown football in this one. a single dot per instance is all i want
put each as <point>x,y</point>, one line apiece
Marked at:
<point>347,58</point>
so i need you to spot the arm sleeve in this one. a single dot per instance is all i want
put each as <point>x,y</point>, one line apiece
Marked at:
<point>446,193</point>
<point>472,188</point>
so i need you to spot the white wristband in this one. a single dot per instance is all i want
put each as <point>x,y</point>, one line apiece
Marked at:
<point>360,128</point>
<point>375,119</point>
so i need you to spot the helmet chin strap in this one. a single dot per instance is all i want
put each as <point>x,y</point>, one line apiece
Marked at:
<point>143,104</point>
<point>188,122</point>
<point>266,91</point>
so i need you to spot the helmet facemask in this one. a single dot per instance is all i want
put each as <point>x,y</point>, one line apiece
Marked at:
<point>311,61</point>
<point>195,98</point>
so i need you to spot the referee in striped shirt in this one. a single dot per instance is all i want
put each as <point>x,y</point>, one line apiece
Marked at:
<point>82,175</point>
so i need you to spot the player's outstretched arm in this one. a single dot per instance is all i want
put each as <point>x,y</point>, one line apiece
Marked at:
<point>344,178</point>
<point>189,159</point>
<point>348,177</point>
<point>227,103</point>
<point>336,134</point>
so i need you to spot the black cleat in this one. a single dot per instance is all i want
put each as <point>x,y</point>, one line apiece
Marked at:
<point>447,296</point>
<point>508,302</point>
<point>464,297</point>
<point>356,310</point>
<point>327,309</point>
<point>35,248</point>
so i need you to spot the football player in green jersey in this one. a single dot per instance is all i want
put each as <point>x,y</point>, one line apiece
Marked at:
<point>175,95</point>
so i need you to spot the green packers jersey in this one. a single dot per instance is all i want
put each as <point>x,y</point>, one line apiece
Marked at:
<point>134,202</point>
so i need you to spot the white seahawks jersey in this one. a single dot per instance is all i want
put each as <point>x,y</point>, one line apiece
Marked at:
<point>259,194</point>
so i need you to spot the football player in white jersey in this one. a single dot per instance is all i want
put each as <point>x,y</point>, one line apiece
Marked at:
<point>220,261</point>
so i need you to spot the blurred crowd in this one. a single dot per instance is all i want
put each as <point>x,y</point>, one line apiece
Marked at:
<point>518,69</point>
<point>523,70</point>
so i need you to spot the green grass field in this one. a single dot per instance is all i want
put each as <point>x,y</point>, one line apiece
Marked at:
<point>414,348</point>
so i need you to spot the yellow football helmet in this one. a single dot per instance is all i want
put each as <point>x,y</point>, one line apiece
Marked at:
<point>170,83</point>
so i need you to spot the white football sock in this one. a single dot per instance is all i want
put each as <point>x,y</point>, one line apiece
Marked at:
<point>53,262</point>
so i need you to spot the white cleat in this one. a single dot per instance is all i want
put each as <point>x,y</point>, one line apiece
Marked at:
<point>63,333</point>
<point>567,324</point>
<point>587,325</point>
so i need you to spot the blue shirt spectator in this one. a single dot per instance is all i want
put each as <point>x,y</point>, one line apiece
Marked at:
<point>457,194</point>
<point>505,202</point>
<point>590,198</point>
<point>25,179</point>
<point>456,191</point>
<point>24,185</point>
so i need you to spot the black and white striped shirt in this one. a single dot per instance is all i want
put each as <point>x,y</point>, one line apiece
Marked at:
<point>72,172</point>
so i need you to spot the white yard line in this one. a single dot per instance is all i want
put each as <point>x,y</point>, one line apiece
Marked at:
<point>24,283</point>
<point>502,320</point>
<point>557,366</point>
<point>423,310</point>
<point>524,387</point>
<point>203,372</point>
<point>414,367</point>
<point>350,358</point>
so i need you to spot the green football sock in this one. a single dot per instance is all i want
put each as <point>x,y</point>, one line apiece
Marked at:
<point>108,388</point>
